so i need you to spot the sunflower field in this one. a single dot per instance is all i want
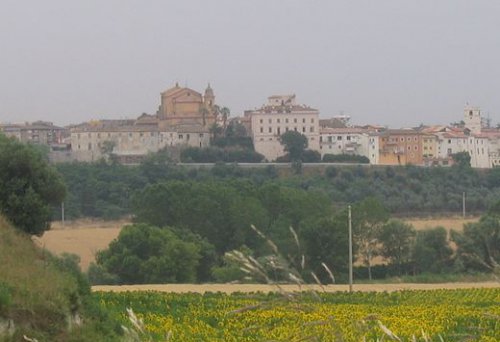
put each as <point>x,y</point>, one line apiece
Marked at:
<point>434,315</point>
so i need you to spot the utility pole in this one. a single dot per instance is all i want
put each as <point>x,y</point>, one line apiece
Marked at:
<point>463,204</point>
<point>62,213</point>
<point>350,249</point>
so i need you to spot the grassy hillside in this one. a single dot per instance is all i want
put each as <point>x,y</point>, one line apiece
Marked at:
<point>42,296</point>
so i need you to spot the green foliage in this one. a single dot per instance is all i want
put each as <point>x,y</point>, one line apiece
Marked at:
<point>345,158</point>
<point>478,246</point>
<point>230,270</point>
<point>432,252</point>
<point>397,238</point>
<point>41,293</point>
<point>28,185</point>
<point>5,298</point>
<point>326,241</point>
<point>217,154</point>
<point>144,254</point>
<point>461,159</point>
<point>294,143</point>
<point>369,218</point>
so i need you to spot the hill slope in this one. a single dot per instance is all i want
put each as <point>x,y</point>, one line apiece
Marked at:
<point>42,296</point>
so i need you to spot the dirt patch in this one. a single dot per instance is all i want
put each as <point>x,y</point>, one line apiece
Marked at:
<point>449,223</point>
<point>231,288</point>
<point>83,238</point>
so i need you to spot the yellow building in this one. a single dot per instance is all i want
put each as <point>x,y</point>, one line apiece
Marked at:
<point>400,147</point>
<point>182,105</point>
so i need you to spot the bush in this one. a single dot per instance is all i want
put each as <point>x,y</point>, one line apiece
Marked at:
<point>345,158</point>
<point>5,297</point>
<point>144,254</point>
<point>217,154</point>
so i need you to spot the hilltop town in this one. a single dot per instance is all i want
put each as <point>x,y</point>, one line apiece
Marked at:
<point>187,118</point>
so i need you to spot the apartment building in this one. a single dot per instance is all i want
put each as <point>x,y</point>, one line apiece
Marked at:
<point>38,132</point>
<point>279,115</point>
<point>347,140</point>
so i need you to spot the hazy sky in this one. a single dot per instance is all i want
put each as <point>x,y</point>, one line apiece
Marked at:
<point>391,62</point>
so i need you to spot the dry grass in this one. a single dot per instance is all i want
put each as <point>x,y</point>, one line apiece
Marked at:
<point>247,288</point>
<point>83,238</point>
<point>455,223</point>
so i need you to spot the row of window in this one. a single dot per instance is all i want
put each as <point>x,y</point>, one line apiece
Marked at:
<point>287,120</point>
<point>278,129</point>
<point>130,135</point>
<point>277,139</point>
<point>338,138</point>
<point>401,139</point>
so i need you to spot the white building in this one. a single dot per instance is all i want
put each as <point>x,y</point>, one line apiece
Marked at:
<point>477,145</point>
<point>279,115</point>
<point>349,140</point>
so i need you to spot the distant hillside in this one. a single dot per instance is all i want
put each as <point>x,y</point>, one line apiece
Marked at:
<point>41,296</point>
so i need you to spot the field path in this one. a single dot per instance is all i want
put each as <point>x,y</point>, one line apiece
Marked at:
<point>231,288</point>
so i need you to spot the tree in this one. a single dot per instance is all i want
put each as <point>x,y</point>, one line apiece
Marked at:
<point>294,144</point>
<point>478,245</point>
<point>107,148</point>
<point>28,187</point>
<point>462,159</point>
<point>145,254</point>
<point>326,241</point>
<point>225,112</point>
<point>369,217</point>
<point>396,238</point>
<point>432,252</point>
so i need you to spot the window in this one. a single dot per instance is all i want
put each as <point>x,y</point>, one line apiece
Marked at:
<point>449,141</point>
<point>303,129</point>
<point>339,138</point>
<point>98,135</point>
<point>295,120</point>
<point>409,147</point>
<point>286,120</point>
<point>279,131</point>
<point>402,139</point>
<point>415,139</point>
<point>270,120</point>
<point>187,136</point>
<point>180,136</point>
<point>295,129</point>
<point>311,129</point>
<point>415,147</point>
<point>141,134</point>
<point>201,135</point>
<point>408,139</point>
<point>262,130</point>
<point>278,120</point>
<point>348,138</point>
<point>304,120</point>
<point>329,139</point>
<point>261,121</point>
<point>270,129</point>
<point>286,129</point>
<point>312,120</point>
<point>90,146</point>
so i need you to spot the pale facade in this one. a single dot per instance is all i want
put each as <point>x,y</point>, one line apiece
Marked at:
<point>373,147</point>
<point>280,115</point>
<point>476,145</point>
<point>349,140</point>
